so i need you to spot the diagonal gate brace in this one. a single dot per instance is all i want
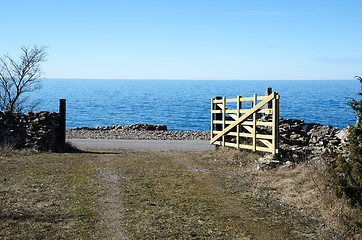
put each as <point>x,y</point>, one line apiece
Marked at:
<point>242,118</point>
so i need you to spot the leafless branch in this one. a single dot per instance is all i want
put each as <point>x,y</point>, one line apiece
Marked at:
<point>17,78</point>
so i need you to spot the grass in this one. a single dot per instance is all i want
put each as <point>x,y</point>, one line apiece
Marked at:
<point>126,194</point>
<point>45,195</point>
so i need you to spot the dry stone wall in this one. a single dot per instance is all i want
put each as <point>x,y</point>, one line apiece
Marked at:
<point>306,142</point>
<point>39,131</point>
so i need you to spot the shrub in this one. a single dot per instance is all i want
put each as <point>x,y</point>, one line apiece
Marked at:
<point>345,173</point>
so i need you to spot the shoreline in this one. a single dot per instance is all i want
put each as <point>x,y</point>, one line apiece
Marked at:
<point>135,132</point>
<point>298,141</point>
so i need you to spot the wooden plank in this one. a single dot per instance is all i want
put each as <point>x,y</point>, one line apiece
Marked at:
<point>235,134</point>
<point>246,123</point>
<point>277,123</point>
<point>227,144</point>
<point>238,126</point>
<point>212,118</point>
<point>267,143</point>
<point>246,99</point>
<point>232,112</point>
<point>249,129</point>
<point>264,149</point>
<point>227,122</point>
<point>264,136</point>
<point>243,146</point>
<point>258,123</point>
<point>243,117</point>
<point>232,100</point>
<point>269,111</point>
<point>266,124</point>
<point>246,135</point>
<point>233,116</point>
<point>274,127</point>
<point>223,118</point>
<point>254,124</point>
<point>275,120</point>
<point>217,100</point>
<point>246,146</point>
<point>258,136</point>
<point>228,111</point>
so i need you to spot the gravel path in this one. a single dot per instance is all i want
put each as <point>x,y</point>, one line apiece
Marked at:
<point>154,145</point>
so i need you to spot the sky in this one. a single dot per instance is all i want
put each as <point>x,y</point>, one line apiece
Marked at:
<point>189,39</point>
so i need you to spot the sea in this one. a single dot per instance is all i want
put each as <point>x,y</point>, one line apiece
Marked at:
<point>185,104</point>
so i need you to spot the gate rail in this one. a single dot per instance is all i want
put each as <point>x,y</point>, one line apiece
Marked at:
<point>255,128</point>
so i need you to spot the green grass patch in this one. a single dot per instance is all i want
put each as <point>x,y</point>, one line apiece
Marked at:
<point>141,195</point>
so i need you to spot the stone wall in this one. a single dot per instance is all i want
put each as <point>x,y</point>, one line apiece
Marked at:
<point>39,131</point>
<point>306,142</point>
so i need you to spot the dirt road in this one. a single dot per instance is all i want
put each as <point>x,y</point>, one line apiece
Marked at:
<point>154,145</point>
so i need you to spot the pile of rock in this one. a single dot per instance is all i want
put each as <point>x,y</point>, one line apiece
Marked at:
<point>301,142</point>
<point>137,126</point>
<point>135,132</point>
<point>32,130</point>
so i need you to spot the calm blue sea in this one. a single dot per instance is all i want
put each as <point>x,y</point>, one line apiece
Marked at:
<point>185,104</point>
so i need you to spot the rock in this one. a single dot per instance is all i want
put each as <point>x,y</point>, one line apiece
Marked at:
<point>343,134</point>
<point>301,141</point>
<point>32,130</point>
<point>136,132</point>
<point>268,162</point>
<point>288,165</point>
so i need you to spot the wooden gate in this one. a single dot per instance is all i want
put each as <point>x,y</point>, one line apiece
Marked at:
<point>255,128</point>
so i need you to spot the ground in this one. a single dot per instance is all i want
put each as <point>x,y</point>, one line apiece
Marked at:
<point>128,194</point>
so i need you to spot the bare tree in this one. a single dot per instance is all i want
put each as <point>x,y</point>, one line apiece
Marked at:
<point>19,78</point>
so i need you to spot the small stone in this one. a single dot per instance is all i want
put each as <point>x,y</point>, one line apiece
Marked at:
<point>343,134</point>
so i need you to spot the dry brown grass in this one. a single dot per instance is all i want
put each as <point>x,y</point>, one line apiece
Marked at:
<point>304,187</point>
<point>7,149</point>
<point>45,196</point>
<point>164,195</point>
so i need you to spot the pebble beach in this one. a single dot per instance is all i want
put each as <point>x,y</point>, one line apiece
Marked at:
<point>135,132</point>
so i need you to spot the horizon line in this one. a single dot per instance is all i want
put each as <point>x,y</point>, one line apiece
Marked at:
<point>179,79</point>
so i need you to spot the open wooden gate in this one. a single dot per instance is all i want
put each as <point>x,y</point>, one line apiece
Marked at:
<point>255,128</point>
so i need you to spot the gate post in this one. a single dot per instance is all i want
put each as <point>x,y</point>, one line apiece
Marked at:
<point>268,91</point>
<point>275,120</point>
<point>238,108</point>
<point>62,119</point>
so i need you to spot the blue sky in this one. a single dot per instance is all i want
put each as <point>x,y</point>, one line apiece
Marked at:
<point>184,39</point>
